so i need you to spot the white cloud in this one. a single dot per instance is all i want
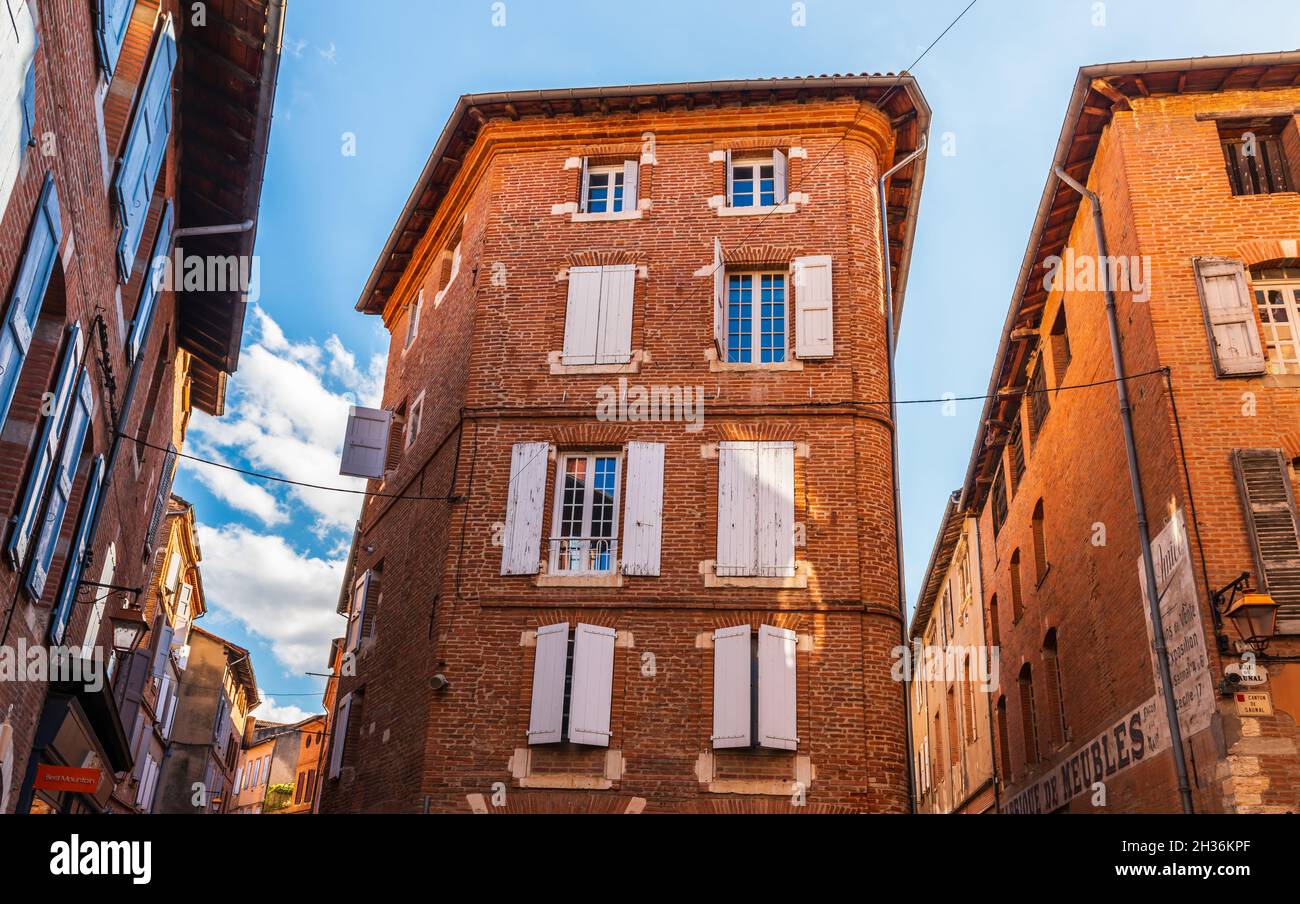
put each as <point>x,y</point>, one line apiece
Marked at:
<point>286,713</point>
<point>329,56</point>
<point>276,592</point>
<point>237,491</point>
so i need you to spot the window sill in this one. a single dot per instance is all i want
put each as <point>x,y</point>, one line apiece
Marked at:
<point>607,217</point>
<point>1282,381</point>
<point>1043,577</point>
<point>788,207</point>
<point>614,579</point>
<point>560,369</point>
<point>790,365</point>
<point>796,581</point>
<point>521,770</point>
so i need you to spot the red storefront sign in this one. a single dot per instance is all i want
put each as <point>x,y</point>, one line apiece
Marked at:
<point>67,778</point>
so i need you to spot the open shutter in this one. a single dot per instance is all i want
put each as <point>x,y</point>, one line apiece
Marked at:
<point>781,177</point>
<point>112,18</point>
<point>733,676</point>
<point>776,509</point>
<point>145,148</point>
<point>643,508</point>
<point>814,315</point>
<point>631,186</point>
<point>719,298</point>
<point>29,106</point>
<point>730,179</point>
<point>47,448</point>
<point>523,532</point>
<point>39,254</point>
<point>80,551</point>
<point>582,317</point>
<point>1229,317</point>
<point>614,330</point>
<point>356,621</point>
<point>340,735</point>
<point>583,185</point>
<point>74,436</point>
<point>546,719</point>
<point>776,688</point>
<point>144,311</point>
<point>593,683</point>
<point>737,509</point>
<point>161,654</point>
<point>1270,510</point>
<point>183,620</point>
<point>365,444</point>
<point>161,495</point>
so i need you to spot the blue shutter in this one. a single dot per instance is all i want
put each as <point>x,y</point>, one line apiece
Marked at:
<point>79,553</point>
<point>29,290</point>
<point>152,286</point>
<point>112,18</point>
<point>83,404</point>
<point>46,450</point>
<point>145,149</point>
<point>29,104</point>
<point>164,493</point>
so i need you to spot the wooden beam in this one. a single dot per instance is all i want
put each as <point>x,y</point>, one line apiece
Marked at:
<point>1106,89</point>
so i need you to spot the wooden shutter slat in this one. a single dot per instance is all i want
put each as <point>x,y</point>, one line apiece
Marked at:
<point>720,296</point>
<point>732,687</point>
<point>780,174</point>
<point>643,509</point>
<point>546,717</point>
<point>776,509</point>
<point>814,312</point>
<point>365,444</point>
<point>777,690</point>
<point>631,186</point>
<point>1269,505</point>
<point>1229,317</point>
<point>737,509</point>
<point>523,529</point>
<point>614,327</point>
<point>593,683</point>
<point>582,315</point>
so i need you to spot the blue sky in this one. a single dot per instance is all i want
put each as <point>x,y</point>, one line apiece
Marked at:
<point>389,71</point>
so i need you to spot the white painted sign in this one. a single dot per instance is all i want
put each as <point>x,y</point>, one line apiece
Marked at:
<point>1180,614</point>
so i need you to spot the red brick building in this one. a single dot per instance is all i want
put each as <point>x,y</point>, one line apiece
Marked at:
<point>1196,165</point>
<point>633,544</point>
<point>126,125</point>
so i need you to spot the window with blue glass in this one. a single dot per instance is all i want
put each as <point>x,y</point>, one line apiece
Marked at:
<point>604,189</point>
<point>756,318</point>
<point>585,537</point>
<point>753,183</point>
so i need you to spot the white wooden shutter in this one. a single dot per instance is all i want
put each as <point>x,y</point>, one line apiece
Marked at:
<point>547,716</point>
<point>631,188</point>
<point>583,184</point>
<point>1274,528</point>
<point>776,509</point>
<point>614,330</point>
<point>356,624</point>
<point>814,314</point>
<point>593,684</point>
<point>523,532</point>
<point>1229,316</point>
<point>340,735</point>
<point>366,443</point>
<point>730,179</point>
<point>582,317</point>
<point>776,688</point>
<point>643,507</point>
<point>17,50</point>
<point>173,572</point>
<point>737,509</point>
<point>780,173</point>
<point>732,687</point>
<point>720,298</point>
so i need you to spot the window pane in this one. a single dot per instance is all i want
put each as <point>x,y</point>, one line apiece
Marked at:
<point>597,192</point>
<point>767,187</point>
<point>740,318</point>
<point>742,186</point>
<point>773,316</point>
<point>618,192</point>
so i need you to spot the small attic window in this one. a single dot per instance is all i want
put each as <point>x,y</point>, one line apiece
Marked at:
<point>1254,156</point>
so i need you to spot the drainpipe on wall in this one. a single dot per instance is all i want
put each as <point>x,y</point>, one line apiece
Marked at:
<point>1135,479</point>
<point>893,440</point>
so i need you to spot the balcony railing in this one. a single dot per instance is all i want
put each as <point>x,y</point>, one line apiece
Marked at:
<point>583,555</point>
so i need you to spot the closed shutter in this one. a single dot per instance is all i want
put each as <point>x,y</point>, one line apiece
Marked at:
<point>776,509</point>
<point>737,509</point>
<point>81,543</point>
<point>776,688</point>
<point>365,444</point>
<point>643,508</point>
<point>112,18</point>
<point>546,720</point>
<point>145,149</point>
<point>733,676</point>
<point>780,173</point>
<point>1229,317</point>
<point>523,529</point>
<point>814,314</point>
<point>161,495</point>
<point>720,297</point>
<point>39,254</point>
<point>593,683</point>
<point>582,316</point>
<point>614,332</point>
<point>1270,509</point>
<point>47,448</point>
<point>340,735</point>
<point>74,437</point>
<point>144,311</point>
<point>631,187</point>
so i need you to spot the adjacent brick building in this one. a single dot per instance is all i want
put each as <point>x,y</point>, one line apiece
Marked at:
<point>1196,165</point>
<point>606,645</point>
<point>124,125</point>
